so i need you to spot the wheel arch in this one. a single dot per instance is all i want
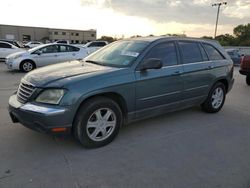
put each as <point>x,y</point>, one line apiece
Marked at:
<point>224,81</point>
<point>116,97</point>
<point>29,60</point>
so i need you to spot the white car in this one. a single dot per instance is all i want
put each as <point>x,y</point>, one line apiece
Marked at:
<point>43,55</point>
<point>61,42</point>
<point>32,44</point>
<point>7,49</point>
<point>93,46</point>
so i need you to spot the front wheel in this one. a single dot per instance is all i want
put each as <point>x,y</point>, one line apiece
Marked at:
<point>27,66</point>
<point>248,79</point>
<point>97,122</point>
<point>215,99</point>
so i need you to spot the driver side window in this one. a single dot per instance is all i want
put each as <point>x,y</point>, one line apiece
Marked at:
<point>165,52</point>
<point>50,49</point>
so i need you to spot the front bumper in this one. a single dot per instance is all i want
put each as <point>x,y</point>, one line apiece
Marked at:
<point>39,117</point>
<point>230,85</point>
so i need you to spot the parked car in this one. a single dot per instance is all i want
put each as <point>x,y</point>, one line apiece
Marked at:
<point>13,42</point>
<point>61,42</point>
<point>93,46</point>
<point>7,49</point>
<point>245,68</point>
<point>43,55</point>
<point>32,44</point>
<point>235,55</point>
<point>123,82</point>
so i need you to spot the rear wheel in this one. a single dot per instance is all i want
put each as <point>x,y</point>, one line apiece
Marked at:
<point>27,66</point>
<point>248,79</point>
<point>215,99</point>
<point>97,122</point>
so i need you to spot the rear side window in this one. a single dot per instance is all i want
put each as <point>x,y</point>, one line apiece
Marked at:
<point>166,52</point>
<point>212,52</point>
<point>4,45</point>
<point>97,44</point>
<point>50,49</point>
<point>63,48</point>
<point>190,52</point>
<point>73,49</point>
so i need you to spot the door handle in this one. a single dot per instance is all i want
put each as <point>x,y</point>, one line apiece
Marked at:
<point>210,67</point>
<point>176,73</point>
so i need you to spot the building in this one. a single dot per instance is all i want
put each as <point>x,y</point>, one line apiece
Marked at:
<point>24,33</point>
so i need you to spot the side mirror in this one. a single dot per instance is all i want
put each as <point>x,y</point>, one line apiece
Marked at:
<point>39,52</point>
<point>151,63</point>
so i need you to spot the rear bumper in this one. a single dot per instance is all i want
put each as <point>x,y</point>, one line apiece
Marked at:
<point>41,118</point>
<point>244,72</point>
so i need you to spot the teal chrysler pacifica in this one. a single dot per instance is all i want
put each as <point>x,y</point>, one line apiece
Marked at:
<point>125,81</point>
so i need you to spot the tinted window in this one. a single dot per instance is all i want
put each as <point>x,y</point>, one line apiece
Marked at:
<point>73,49</point>
<point>213,53</point>
<point>203,53</point>
<point>190,52</point>
<point>4,45</point>
<point>63,48</point>
<point>97,44</point>
<point>166,52</point>
<point>50,49</point>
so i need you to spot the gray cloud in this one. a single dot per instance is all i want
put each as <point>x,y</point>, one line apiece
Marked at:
<point>185,11</point>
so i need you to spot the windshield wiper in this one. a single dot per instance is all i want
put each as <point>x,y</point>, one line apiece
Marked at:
<point>94,62</point>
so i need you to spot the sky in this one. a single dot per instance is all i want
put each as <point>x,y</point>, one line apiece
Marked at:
<point>125,18</point>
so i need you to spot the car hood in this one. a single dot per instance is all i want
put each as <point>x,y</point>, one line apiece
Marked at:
<point>20,52</point>
<point>46,75</point>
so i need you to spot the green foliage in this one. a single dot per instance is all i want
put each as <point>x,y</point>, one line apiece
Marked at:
<point>226,40</point>
<point>241,37</point>
<point>242,32</point>
<point>108,39</point>
<point>207,37</point>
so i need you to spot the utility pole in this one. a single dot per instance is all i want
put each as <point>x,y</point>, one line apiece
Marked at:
<point>218,13</point>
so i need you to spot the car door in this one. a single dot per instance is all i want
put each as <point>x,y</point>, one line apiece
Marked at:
<point>46,55</point>
<point>5,49</point>
<point>197,74</point>
<point>73,53</point>
<point>159,89</point>
<point>64,53</point>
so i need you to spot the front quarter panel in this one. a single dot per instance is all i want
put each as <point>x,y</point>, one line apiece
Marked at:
<point>121,82</point>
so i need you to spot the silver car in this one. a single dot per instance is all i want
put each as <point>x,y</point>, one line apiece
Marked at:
<point>44,55</point>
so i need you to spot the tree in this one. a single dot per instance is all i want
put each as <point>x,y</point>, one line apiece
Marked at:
<point>226,40</point>
<point>207,37</point>
<point>242,32</point>
<point>108,39</point>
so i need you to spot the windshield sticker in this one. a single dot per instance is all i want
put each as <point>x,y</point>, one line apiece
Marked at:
<point>126,62</point>
<point>131,54</point>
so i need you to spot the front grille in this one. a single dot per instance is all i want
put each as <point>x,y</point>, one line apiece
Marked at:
<point>2,60</point>
<point>24,92</point>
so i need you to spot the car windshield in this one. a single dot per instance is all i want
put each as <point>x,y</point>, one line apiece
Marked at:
<point>118,54</point>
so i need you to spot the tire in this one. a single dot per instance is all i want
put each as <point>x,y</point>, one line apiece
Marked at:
<point>248,79</point>
<point>92,128</point>
<point>215,99</point>
<point>27,66</point>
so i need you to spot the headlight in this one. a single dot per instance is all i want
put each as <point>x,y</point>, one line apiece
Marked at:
<point>51,96</point>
